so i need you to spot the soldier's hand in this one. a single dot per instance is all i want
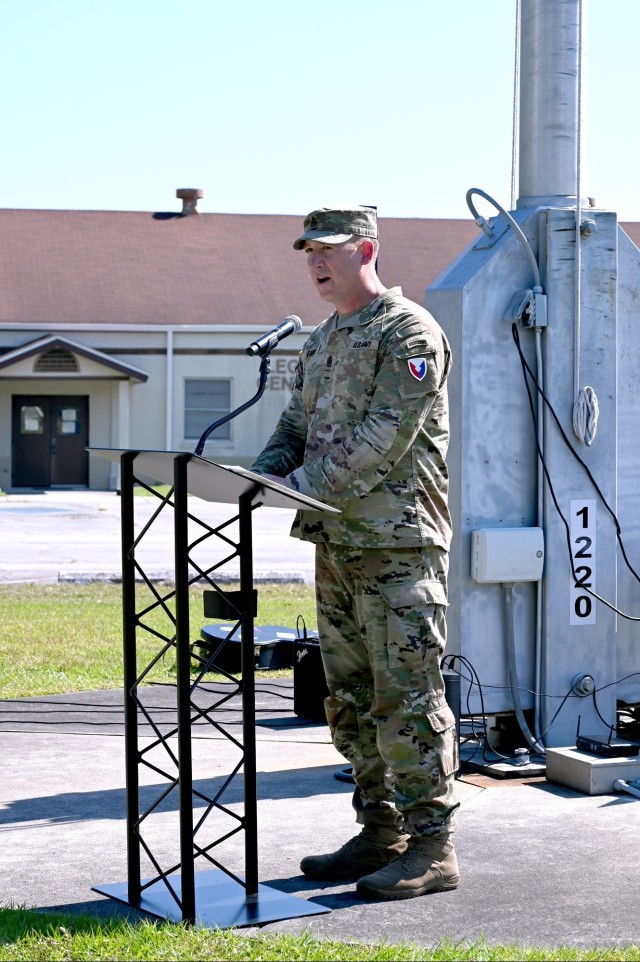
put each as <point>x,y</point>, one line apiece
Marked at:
<point>274,477</point>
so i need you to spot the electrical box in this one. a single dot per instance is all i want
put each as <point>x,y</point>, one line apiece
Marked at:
<point>507,554</point>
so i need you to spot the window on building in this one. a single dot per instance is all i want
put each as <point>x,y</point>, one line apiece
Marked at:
<point>31,419</point>
<point>205,401</point>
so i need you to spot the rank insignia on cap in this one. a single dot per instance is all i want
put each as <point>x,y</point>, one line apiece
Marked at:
<point>418,367</point>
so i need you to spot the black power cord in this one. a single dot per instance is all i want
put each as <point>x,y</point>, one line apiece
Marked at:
<point>526,370</point>
<point>450,661</point>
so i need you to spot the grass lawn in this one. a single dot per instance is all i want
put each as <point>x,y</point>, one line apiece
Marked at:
<point>35,936</point>
<point>57,638</point>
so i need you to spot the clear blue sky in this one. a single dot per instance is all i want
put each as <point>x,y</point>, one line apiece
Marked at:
<point>282,106</point>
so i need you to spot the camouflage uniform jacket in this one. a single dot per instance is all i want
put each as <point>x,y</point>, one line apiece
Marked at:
<point>367,428</point>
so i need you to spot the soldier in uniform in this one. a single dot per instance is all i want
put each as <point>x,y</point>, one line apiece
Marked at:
<point>366,431</point>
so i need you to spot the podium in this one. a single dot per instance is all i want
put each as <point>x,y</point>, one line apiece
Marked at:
<point>216,897</point>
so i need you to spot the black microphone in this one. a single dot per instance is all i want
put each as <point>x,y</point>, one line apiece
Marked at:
<point>269,340</point>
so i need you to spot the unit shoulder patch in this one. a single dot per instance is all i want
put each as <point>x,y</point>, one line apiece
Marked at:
<point>417,367</point>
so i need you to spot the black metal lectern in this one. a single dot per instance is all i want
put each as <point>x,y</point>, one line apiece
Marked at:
<point>216,897</point>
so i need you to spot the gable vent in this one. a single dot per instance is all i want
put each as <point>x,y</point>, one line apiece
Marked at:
<point>56,360</point>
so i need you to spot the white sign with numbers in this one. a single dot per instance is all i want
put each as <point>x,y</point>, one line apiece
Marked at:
<point>583,550</point>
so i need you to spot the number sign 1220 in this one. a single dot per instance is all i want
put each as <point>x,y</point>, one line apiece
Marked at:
<point>583,548</point>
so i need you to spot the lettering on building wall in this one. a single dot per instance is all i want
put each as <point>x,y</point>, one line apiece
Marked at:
<point>282,373</point>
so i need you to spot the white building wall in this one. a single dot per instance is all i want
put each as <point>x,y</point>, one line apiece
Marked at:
<point>125,412</point>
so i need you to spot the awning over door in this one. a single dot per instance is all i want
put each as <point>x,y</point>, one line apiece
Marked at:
<point>54,356</point>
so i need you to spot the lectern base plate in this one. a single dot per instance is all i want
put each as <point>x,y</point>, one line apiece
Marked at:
<point>220,901</point>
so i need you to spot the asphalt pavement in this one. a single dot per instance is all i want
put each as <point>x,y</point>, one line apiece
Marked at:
<point>541,864</point>
<point>75,536</point>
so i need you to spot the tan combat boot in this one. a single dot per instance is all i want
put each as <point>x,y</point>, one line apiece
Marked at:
<point>427,865</point>
<point>374,847</point>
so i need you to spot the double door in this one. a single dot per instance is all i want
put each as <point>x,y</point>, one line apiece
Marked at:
<point>50,434</point>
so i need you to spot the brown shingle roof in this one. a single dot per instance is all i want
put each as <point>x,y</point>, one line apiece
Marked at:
<point>74,267</point>
<point>104,267</point>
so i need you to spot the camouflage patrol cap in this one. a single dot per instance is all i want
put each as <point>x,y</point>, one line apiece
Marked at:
<point>337,226</point>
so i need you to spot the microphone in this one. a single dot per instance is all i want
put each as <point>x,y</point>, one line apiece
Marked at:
<point>269,340</point>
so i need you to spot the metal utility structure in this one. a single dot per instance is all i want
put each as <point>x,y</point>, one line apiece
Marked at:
<point>552,286</point>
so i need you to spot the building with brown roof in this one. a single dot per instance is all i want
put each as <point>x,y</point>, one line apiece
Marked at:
<point>128,329</point>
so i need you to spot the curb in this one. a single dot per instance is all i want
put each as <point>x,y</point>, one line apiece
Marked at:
<point>84,576</point>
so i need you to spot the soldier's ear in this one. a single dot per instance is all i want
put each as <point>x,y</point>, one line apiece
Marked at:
<point>366,252</point>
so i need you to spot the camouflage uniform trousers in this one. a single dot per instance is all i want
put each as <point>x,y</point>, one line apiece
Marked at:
<point>382,644</point>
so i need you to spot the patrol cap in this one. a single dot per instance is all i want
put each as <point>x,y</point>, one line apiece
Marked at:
<point>336,226</point>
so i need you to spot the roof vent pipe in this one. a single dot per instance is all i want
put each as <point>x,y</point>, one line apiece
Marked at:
<point>189,197</point>
<point>550,84</point>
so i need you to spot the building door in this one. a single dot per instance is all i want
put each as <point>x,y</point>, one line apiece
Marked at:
<point>50,434</point>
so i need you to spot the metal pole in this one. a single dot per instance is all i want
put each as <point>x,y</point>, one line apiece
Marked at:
<point>248,695</point>
<point>549,89</point>
<point>130,675</point>
<point>183,686</point>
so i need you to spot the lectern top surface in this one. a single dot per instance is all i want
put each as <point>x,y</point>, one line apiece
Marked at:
<point>214,482</point>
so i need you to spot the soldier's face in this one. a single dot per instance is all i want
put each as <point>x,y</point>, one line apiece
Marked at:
<point>335,271</point>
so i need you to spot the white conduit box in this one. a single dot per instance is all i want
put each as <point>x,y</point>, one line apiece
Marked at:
<point>507,554</point>
<point>587,773</point>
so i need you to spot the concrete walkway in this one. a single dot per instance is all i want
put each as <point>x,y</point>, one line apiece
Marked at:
<point>541,865</point>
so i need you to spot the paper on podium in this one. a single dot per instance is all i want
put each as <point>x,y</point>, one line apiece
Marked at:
<point>215,482</point>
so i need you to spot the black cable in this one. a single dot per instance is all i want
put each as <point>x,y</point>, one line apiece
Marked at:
<point>578,459</point>
<point>612,728</point>
<point>474,734</point>
<point>202,687</point>
<point>559,709</point>
<point>76,708</point>
<point>469,666</point>
<point>527,370</point>
<point>617,681</point>
<point>233,711</point>
<point>450,660</point>
<point>544,694</point>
